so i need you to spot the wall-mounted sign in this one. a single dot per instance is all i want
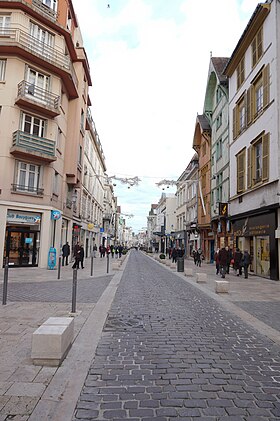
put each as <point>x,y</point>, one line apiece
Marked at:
<point>90,226</point>
<point>28,241</point>
<point>55,215</point>
<point>23,217</point>
<point>101,229</point>
<point>223,209</point>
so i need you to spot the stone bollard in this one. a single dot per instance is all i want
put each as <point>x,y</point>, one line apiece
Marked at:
<point>201,278</point>
<point>222,287</point>
<point>188,272</point>
<point>173,265</point>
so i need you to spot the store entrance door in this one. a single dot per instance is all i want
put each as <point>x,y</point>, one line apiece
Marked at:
<point>20,247</point>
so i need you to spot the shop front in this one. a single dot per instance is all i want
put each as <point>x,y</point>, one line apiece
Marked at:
<point>257,235</point>
<point>22,238</point>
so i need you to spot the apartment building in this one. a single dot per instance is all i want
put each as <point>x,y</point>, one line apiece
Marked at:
<point>253,73</point>
<point>44,80</point>
<point>202,146</point>
<point>216,111</point>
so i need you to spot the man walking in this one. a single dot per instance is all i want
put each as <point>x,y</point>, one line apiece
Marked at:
<point>246,261</point>
<point>65,253</point>
<point>223,260</point>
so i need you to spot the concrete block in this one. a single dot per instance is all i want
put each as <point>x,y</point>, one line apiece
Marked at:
<point>173,265</point>
<point>201,278</point>
<point>52,340</point>
<point>188,272</point>
<point>222,286</point>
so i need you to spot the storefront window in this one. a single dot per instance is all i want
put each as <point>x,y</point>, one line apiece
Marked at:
<point>263,259</point>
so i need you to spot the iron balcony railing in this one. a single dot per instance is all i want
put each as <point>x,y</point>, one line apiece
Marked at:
<point>34,143</point>
<point>28,189</point>
<point>46,10</point>
<point>17,37</point>
<point>29,90</point>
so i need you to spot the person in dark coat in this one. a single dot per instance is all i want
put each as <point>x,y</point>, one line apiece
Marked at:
<point>246,261</point>
<point>77,251</point>
<point>174,255</point>
<point>223,260</point>
<point>198,257</point>
<point>217,262</point>
<point>65,253</point>
<point>229,258</point>
<point>82,256</point>
<point>237,265</point>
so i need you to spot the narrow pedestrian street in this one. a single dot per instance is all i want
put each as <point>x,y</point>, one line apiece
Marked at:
<point>169,351</point>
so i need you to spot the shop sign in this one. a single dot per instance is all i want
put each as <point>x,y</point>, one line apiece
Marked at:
<point>101,229</point>
<point>90,226</point>
<point>23,218</point>
<point>55,215</point>
<point>28,241</point>
<point>254,226</point>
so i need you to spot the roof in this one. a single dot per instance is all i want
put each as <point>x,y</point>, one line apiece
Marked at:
<point>203,122</point>
<point>219,64</point>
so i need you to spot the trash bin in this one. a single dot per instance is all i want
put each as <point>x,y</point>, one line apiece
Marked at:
<point>180,264</point>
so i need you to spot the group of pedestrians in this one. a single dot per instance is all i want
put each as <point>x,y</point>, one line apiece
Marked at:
<point>173,253</point>
<point>197,256</point>
<point>79,253</point>
<point>224,258</point>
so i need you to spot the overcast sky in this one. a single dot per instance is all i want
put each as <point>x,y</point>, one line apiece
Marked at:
<point>149,62</point>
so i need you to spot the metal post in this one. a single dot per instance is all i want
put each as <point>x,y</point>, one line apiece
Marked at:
<point>74,290</point>
<point>91,266</point>
<point>107,262</point>
<point>59,267</point>
<point>5,283</point>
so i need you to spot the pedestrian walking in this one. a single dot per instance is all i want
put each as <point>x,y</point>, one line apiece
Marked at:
<point>223,260</point>
<point>217,261</point>
<point>246,261</point>
<point>116,252</point>
<point>229,258</point>
<point>198,257</point>
<point>194,254</point>
<point>77,251</point>
<point>112,250</point>
<point>82,256</point>
<point>237,264</point>
<point>94,249</point>
<point>174,255</point>
<point>65,253</point>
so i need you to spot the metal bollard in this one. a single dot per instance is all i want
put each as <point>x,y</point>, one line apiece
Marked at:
<point>108,263</point>
<point>74,290</point>
<point>59,267</point>
<point>91,266</point>
<point>5,283</point>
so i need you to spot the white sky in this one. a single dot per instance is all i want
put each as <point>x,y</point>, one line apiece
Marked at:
<point>149,62</point>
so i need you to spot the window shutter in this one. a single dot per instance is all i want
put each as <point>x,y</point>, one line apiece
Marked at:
<point>249,104</point>
<point>249,167</point>
<point>254,52</point>
<point>266,86</point>
<point>265,159</point>
<point>240,172</point>
<point>234,124</point>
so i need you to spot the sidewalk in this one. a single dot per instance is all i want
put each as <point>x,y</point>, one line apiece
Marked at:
<point>256,300</point>
<point>34,393</point>
<point>23,385</point>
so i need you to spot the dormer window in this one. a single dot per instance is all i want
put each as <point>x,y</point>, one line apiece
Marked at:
<point>52,4</point>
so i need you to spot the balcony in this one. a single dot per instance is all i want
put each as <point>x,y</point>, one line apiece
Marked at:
<point>45,10</point>
<point>27,189</point>
<point>16,41</point>
<point>38,99</point>
<point>31,146</point>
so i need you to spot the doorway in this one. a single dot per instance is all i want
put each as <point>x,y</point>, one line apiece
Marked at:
<point>21,247</point>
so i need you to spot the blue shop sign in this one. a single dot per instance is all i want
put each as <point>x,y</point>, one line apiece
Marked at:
<point>101,229</point>
<point>55,214</point>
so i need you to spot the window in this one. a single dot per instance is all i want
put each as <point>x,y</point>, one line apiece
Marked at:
<point>258,95</point>
<point>27,177</point>
<point>42,35</point>
<point>240,72</point>
<point>2,70</point>
<point>82,120</point>
<point>37,83</point>
<point>80,155</point>
<point>258,160</point>
<point>219,95</point>
<point>33,125</point>
<point>240,158</point>
<point>219,187</point>
<point>5,22</point>
<point>52,4</point>
<point>252,103</point>
<point>219,121</point>
<point>219,149</point>
<point>203,149</point>
<point>69,21</point>
<point>257,47</point>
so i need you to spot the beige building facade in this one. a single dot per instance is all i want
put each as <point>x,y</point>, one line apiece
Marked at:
<point>46,196</point>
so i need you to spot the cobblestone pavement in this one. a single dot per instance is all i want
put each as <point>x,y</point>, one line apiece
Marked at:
<point>169,351</point>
